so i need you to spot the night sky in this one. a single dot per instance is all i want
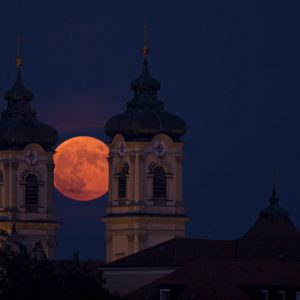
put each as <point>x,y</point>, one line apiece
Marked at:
<point>231,69</point>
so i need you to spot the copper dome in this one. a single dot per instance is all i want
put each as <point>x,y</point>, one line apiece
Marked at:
<point>145,115</point>
<point>19,125</point>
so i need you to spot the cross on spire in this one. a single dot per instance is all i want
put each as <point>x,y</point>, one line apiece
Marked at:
<point>274,180</point>
<point>19,60</point>
<point>145,49</point>
<point>274,194</point>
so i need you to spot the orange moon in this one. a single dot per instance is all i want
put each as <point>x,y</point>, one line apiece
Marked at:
<point>81,168</point>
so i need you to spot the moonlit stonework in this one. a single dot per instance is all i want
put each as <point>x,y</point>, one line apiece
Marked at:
<point>26,170</point>
<point>145,171</point>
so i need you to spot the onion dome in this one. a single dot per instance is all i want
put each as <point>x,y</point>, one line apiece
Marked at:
<point>145,115</point>
<point>18,124</point>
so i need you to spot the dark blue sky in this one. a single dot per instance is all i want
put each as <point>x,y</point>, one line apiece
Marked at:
<point>231,69</point>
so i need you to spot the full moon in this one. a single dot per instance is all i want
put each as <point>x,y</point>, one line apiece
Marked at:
<point>81,168</point>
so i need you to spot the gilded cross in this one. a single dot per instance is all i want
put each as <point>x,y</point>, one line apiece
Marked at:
<point>18,58</point>
<point>145,49</point>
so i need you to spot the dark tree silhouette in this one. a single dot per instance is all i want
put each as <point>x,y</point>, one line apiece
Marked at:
<point>23,275</point>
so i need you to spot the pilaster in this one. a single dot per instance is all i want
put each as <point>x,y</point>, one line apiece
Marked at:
<point>32,225</point>
<point>141,222</point>
<point>49,184</point>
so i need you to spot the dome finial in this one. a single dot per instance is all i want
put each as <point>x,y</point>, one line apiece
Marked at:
<point>274,198</point>
<point>145,115</point>
<point>273,209</point>
<point>19,60</point>
<point>145,49</point>
<point>274,184</point>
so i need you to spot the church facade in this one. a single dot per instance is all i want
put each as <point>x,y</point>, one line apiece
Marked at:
<point>26,171</point>
<point>146,204</point>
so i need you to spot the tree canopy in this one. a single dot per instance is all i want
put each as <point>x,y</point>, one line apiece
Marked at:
<point>23,275</point>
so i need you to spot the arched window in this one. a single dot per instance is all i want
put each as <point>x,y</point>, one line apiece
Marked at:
<point>159,184</point>
<point>122,182</point>
<point>31,193</point>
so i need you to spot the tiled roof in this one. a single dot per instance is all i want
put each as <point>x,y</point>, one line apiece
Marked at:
<point>174,252</point>
<point>178,252</point>
<point>273,222</point>
<point>222,279</point>
<point>276,227</point>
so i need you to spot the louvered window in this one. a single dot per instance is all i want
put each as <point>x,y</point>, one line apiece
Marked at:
<point>159,184</point>
<point>31,193</point>
<point>122,182</point>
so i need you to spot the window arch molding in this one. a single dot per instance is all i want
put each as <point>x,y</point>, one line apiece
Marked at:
<point>26,172</point>
<point>152,162</point>
<point>32,184</point>
<point>159,185</point>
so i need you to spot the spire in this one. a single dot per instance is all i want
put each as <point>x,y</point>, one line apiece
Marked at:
<point>19,60</point>
<point>273,209</point>
<point>145,84</point>
<point>145,50</point>
<point>18,123</point>
<point>273,221</point>
<point>19,91</point>
<point>274,198</point>
<point>145,115</point>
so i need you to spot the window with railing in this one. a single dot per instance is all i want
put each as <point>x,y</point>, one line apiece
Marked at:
<point>31,193</point>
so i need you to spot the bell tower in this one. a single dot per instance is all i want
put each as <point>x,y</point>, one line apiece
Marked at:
<point>145,172</point>
<point>26,170</point>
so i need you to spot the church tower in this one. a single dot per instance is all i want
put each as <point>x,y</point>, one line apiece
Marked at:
<point>145,172</point>
<point>26,171</point>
